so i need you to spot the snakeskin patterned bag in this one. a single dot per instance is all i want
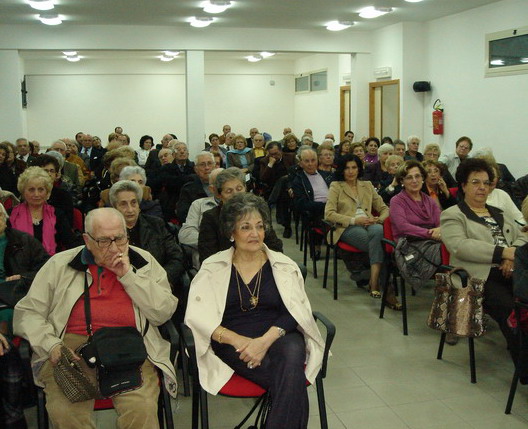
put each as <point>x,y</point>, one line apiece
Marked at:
<point>458,310</point>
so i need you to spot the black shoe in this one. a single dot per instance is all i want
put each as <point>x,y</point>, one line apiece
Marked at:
<point>287,232</point>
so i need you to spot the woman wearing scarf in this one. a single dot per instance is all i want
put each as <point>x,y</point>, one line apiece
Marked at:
<point>241,156</point>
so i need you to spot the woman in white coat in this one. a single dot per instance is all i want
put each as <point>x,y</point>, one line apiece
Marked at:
<point>249,314</point>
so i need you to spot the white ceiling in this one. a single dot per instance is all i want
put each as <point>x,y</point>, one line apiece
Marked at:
<point>261,14</point>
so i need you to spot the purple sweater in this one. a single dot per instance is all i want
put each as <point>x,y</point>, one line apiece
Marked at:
<point>409,217</point>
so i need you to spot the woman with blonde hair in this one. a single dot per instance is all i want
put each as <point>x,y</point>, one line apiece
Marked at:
<point>36,217</point>
<point>241,156</point>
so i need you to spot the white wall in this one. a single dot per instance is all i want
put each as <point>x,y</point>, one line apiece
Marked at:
<point>13,116</point>
<point>318,110</point>
<point>492,111</point>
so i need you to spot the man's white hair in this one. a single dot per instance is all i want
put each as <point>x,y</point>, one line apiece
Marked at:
<point>102,214</point>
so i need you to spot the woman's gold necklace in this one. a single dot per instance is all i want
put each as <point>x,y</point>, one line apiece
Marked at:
<point>254,294</point>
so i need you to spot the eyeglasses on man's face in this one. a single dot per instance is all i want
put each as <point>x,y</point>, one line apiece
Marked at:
<point>106,242</point>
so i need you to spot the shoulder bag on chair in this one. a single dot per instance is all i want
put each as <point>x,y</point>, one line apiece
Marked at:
<point>116,353</point>
<point>458,310</point>
<point>417,259</point>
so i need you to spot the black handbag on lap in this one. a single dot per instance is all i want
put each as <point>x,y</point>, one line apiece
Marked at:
<point>116,353</point>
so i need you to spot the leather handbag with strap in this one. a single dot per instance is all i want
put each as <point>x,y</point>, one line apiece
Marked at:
<point>458,310</point>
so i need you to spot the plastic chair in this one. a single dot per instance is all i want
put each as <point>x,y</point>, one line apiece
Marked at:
<point>240,387</point>
<point>165,418</point>
<point>340,245</point>
<point>310,230</point>
<point>78,220</point>
<point>518,307</point>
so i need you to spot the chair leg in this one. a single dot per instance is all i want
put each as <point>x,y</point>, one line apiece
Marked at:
<point>441,346</point>
<point>185,369</point>
<point>204,412</point>
<point>327,262</point>
<point>335,272</point>
<point>472,365</point>
<point>312,253</point>
<point>404,310</point>
<point>42,414</point>
<point>384,295</point>
<point>321,401</point>
<point>167,409</point>
<point>305,234</point>
<point>513,389</point>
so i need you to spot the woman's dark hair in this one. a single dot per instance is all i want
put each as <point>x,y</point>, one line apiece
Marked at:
<point>403,170</point>
<point>372,139</point>
<point>143,139</point>
<point>472,165</point>
<point>44,160</point>
<point>341,165</point>
<point>387,139</point>
<point>238,207</point>
<point>213,135</point>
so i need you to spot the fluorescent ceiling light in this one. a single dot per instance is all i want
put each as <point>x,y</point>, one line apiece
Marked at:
<point>50,19</point>
<point>41,4</point>
<point>413,1</point>
<point>166,58</point>
<point>265,54</point>
<point>73,59</point>
<point>214,6</point>
<point>338,25</point>
<point>172,53</point>
<point>254,58</point>
<point>497,62</point>
<point>69,53</point>
<point>374,12</point>
<point>200,22</point>
<point>524,60</point>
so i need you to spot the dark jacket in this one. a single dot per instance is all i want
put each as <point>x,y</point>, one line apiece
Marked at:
<point>303,194</point>
<point>211,240</point>
<point>190,192</point>
<point>445,202</point>
<point>24,254</point>
<point>373,173</point>
<point>156,239</point>
<point>62,200</point>
<point>270,175</point>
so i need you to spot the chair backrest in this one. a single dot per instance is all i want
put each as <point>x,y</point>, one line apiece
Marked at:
<point>453,192</point>
<point>78,220</point>
<point>387,233</point>
<point>445,255</point>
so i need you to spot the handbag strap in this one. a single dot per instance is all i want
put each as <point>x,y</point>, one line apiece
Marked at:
<point>423,255</point>
<point>462,273</point>
<point>87,308</point>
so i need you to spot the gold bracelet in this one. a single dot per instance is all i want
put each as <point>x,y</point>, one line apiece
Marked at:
<point>220,335</point>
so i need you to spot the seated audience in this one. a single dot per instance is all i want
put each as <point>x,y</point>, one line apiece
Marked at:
<point>114,170</point>
<point>147,205</point>
<point>70,172</point>
<point>326,152</point>
<point>215,148</point>
<point>358,149</point>
<point>372,145</point>
<point>153,162</point>
<point>483,239</point>
<point>376,173</point>
<point>258,146</point>
<point>241,156</point>
<point>291,143</point>
<point>10,168</point>
<point>251,330</point>
<point>399,147</point>
<point>310,186</point>
<point>452,160</point>
<point>390,186</point>
<point>145,147</point>
<point>413,143</point>
<point>412,212</point>
<point>72,156</point>
<point>210,239</point>
<point>198,185</point>
<point>36,217</point>
<point>128,288</point>
<point>343,148</point>
<point>190,230</point>
<point>432,152</point>
<point>358,213</point>
<point>148,232</point>
<point>435,186</point>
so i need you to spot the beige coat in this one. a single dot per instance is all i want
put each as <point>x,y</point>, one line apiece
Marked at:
<point>341,207</point>
<point>42,315</point>
<point>205,309</point>
<point>469,241</point>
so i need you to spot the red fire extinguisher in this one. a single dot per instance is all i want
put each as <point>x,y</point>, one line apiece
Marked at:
<point>438,117</point>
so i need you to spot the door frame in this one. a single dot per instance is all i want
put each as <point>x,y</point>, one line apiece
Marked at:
<point>372,110</point>
<point>342,91</point>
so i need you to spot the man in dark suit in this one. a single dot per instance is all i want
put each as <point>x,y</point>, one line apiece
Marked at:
<point>23,151</point>
<point>274,174</point>
<point>153,162</point>
<point>92,156</point>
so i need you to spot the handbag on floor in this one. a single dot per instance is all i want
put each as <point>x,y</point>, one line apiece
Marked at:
<point>458,310</point>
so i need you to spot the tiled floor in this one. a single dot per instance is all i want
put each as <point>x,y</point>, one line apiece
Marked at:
<point>378,378</point>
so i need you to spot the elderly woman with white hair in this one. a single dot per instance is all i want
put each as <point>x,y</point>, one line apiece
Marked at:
<point>39,219</point>
<point>377,172</point>
<point>413,143</point>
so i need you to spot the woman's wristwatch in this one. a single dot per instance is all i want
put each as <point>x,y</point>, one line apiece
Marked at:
<point>282,332</point>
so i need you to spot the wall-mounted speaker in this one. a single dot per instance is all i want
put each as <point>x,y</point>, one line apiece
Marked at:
<point>422,86</point>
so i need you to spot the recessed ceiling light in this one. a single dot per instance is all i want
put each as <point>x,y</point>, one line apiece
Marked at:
<point>254,58</point>
<point>200,22</point>
<point>41,4</point>
<point>214,6</point>
<point>338,25</point>
<point>374,12</point>
<point>50,19</point>
<point>524,60</point>
<point>413,1</point>
<point>172,53</point>
<point>166,58</point>
<point>69,53</point>
<point>497,62</point>
<point>265,54</point>
<point>73,59</point>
